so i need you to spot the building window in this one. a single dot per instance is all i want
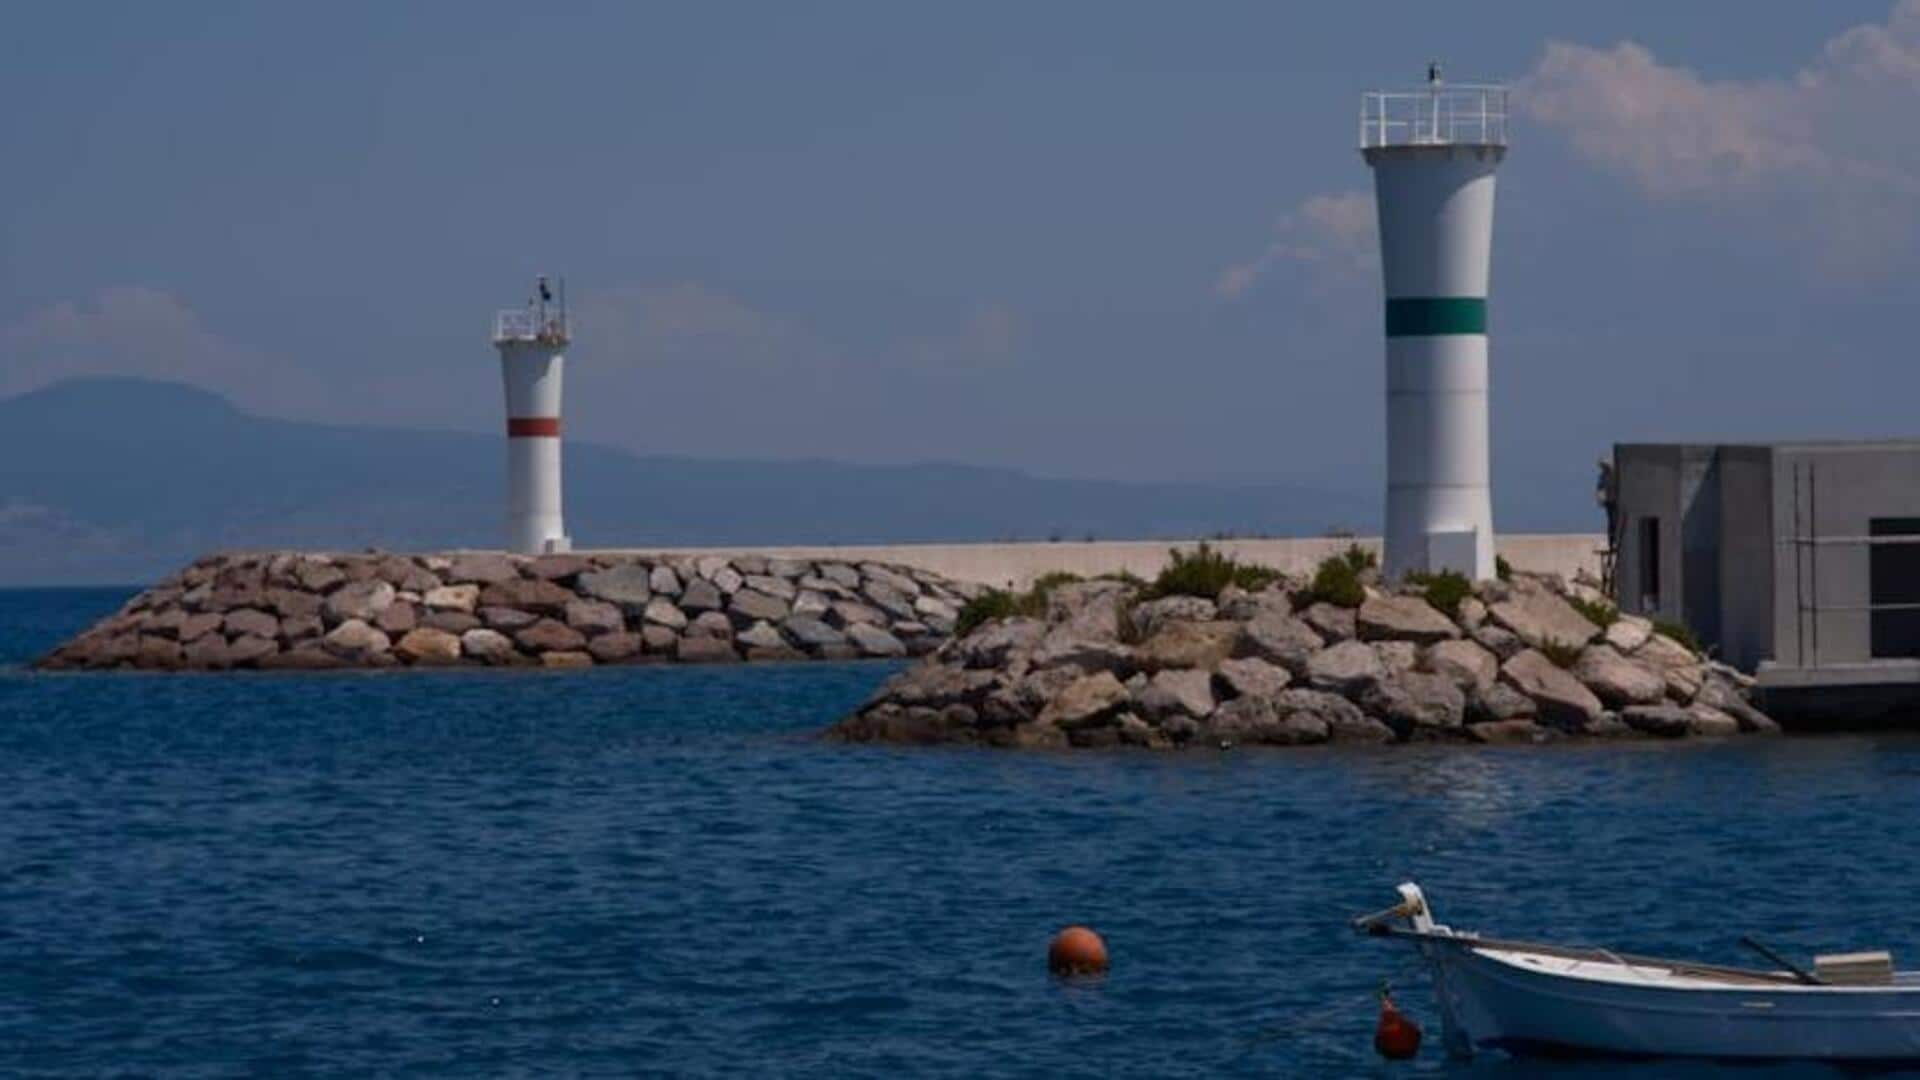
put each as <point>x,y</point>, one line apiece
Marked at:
<point>1893,578</point>
<point>1649,564</point>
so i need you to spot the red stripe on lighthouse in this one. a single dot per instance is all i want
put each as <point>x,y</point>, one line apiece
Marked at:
<point>531,427</point>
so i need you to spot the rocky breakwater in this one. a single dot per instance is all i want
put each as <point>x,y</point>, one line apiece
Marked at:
<point>1530,660</point>
<point>309,611</point>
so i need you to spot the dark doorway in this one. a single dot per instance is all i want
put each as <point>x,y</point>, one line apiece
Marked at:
<point>1893,577</point>
<point>1650,565</point>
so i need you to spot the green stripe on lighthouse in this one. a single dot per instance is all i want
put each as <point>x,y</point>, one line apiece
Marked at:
<point>1432,315</point>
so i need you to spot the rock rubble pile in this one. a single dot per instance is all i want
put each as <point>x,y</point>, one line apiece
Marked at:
<point>1514,661</point>
<point>307,611</point>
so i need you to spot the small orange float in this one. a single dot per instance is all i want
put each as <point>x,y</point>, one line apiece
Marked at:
<point>1395,1037</point>
<point>1077,951</point>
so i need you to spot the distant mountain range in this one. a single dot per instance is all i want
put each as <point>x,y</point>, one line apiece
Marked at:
<point>120,480</point>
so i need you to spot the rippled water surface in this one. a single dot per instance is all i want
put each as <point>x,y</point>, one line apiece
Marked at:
<point>660,871</point>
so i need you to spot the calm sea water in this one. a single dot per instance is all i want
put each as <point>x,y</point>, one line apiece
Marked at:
<point>661,871</point>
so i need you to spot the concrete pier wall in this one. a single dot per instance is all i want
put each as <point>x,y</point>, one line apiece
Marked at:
<point>1015,565</point>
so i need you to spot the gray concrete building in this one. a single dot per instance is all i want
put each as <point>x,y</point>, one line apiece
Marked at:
<point>1797,561</point>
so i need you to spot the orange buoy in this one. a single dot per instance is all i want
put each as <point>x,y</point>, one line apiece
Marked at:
<point>1077,951</point>
<point>1395,1037</point>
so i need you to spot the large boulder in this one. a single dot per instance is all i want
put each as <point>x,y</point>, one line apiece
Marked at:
<point>1563,700</point>
<point>1346,722</point>
<point>293,603</point>
<point>1467,663</point>
<point>1089,608</point>
<point>873,641</point>
<point>628,586</point>
<point>1413,701</point>
<point>399,618</point>
<point>1330,621</point>
<point>453,622</point>
<point>664,581</point>
<point>595,617</point>
<point>528,594</point>
<point>1508,732</point>
<point>507,619</point>
<point>251,621</point>
<point>1628,632</point>
<point>1616,680</point>
<point>483,568</point>
<point>1153,614</point>
<point>425,645</point>
<point>751,605</point>
<point>1396,656</point>
<point>316,576</point>
<point>993,644</point>
<point>1262,721</point>
<point>1186,692</point>
<point>550,635</point>
<point>1403,618</point>
<point>357,640</point>
<point>770,585</point>
<point>1665,721</point>
<point>1499,703</point>
<point>659,640</point>
<point>701,595</point>
<point>359,601</point>
<point>1189,645</point>
<point>1539,617</point>
<point>812,633</point>
<point>661,612</point>
<point>706,650</point>
<point>563,566</point>
<point>1067,647</point>
<point>193,627</point>
<point>1274,635</point>
<point>1085,700</point>
<point>462,598</point>
<point>1250,676</point>
<point>1349,668</point>
<point>616,647</point>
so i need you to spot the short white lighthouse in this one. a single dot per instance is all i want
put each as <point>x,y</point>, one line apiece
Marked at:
<point>533,342</point>
<point>1433,152</point>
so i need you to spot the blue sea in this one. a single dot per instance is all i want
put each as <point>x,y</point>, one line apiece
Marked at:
<point>661,871</point>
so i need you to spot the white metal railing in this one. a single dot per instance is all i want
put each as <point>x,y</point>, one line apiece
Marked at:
<point>1439,115</point>
<point>531,324</point>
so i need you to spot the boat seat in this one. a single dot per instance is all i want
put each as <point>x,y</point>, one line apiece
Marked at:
<point>1855,968</point>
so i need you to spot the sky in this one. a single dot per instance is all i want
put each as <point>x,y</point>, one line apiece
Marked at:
<point>1109,240</point>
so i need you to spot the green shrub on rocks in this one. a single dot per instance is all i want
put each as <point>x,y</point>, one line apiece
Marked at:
<point>1444,590</point>
<point>1006,604</point>
<point>1564,654</point>
<point>1204,572</point>
<point>1681,633</point>
<point>1337,580</point>
<point>1598,612</point>
<point>1502,569</point>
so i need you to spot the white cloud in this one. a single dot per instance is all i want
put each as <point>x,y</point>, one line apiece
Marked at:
<point>1332,235</point>
<point>1832,144</point>
<point>142,331</point>
<point>686,322</point>
<point>988,338</point>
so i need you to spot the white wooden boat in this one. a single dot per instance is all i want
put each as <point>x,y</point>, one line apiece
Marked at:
<point>1547,999</point>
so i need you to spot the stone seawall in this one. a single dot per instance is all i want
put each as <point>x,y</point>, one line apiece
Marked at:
<point>1529,660</point>
<point>301,611</point>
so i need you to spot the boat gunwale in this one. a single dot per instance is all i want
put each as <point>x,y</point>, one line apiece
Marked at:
<point>1735,979</point>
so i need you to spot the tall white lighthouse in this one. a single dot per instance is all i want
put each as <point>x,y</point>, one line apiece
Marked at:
<point>1433,152</point>
<point>533,342</point>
